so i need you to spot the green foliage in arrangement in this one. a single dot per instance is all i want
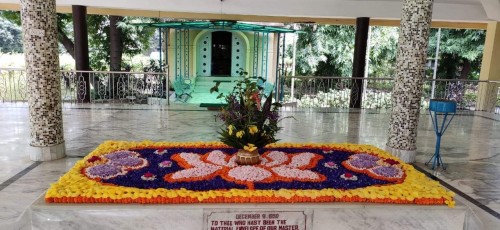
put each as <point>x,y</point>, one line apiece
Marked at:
<point>249,124</point>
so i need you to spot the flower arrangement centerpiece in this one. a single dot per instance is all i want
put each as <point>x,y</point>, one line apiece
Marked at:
<point>250,119</point>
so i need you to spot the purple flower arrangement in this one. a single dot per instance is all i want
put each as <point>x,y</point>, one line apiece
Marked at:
<point>153,175</point>
<point>105,171</point>
<point>384,169</point>
<point>362,163</point>
<point>387,171</point>
<point>118,163</point>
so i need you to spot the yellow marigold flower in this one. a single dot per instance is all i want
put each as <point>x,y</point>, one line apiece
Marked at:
<point>230,129</point>
<point>250,147</point>
<point>253,129</point>
<point>240,133</point>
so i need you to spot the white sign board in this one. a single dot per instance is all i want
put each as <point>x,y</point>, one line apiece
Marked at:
<point>256,220</point>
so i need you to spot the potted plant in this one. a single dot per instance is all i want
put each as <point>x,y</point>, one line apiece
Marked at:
<point>250,120</point>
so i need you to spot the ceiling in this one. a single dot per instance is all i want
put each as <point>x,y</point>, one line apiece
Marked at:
<point>444,10</point>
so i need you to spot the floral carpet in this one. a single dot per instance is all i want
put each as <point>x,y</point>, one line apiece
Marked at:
<point>167,172</point>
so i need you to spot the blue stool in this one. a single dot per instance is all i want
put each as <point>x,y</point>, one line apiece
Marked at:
<point>446,108</point>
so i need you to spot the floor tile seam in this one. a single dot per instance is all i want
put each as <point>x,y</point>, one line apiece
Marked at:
<point>302,110</point>
<point>295,111</point>
<point>460,193</point>
<point>138,109</point>
<point>450,160</point>
<point>19,175</point>
<point>489,118</point>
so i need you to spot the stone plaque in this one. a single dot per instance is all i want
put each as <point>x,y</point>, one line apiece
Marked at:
<point>246,219</point>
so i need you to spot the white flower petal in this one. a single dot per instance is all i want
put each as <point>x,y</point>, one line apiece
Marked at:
<point>294,173</point>
<point>196,173</point>
<point>249,173</point>
<point>192,159</point>
<point>301,159</point>
<point>277,158</point>
<point>217,157</point>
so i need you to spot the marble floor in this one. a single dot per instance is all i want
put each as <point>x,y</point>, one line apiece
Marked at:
<point>470,147</point>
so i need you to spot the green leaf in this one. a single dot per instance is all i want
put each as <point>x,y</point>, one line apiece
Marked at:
<point>215,88</point>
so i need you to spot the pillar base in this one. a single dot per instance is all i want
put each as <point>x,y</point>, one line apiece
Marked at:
<point>407,156</point>
<point>487,96</point>
<point>47,153</point>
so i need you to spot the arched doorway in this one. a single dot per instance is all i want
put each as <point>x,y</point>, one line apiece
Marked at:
<point>221,53</point>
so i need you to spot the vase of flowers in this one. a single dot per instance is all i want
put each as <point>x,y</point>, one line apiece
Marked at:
<point>250,120</point>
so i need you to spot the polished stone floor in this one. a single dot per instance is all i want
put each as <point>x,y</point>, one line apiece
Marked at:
<point>471,145</point>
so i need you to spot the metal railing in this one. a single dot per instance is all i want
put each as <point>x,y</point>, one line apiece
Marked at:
<point>13,85</point>
<point>335,92</point>
<point>300,91</point>
<point>93,86</point>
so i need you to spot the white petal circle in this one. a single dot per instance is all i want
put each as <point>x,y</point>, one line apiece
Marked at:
<point>249,173</point>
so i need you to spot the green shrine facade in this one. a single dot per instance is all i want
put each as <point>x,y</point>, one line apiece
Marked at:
<point>221,48</point>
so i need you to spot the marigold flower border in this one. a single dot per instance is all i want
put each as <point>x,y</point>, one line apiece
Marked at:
<point>74,187</point>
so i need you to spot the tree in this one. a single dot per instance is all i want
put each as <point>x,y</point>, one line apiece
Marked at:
<point>115,43</point>
<point>64,28</point>
<point>460,52</point>
<point>111,37</point>
<point>10,37</point>
<point>65,33</point>
<point>103,30</point>
<point>383,48</point>
<point>327,50</point>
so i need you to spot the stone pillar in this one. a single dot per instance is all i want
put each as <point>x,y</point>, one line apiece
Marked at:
<point>42,70</point>
<point>359,62</point>
<point>490,69</point>
<point>412,52</point>
<point>81,51</point>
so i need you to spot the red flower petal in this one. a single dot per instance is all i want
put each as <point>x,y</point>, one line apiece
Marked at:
<point>94,159</point>
<point>391,161</point>
<point>347,175</point>
<point>148,174</point>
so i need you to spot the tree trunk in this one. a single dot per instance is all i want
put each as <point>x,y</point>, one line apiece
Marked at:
<point>66,42</point>
<point>466,67</point>
<point>115,55</point>
<point>115,43</point>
